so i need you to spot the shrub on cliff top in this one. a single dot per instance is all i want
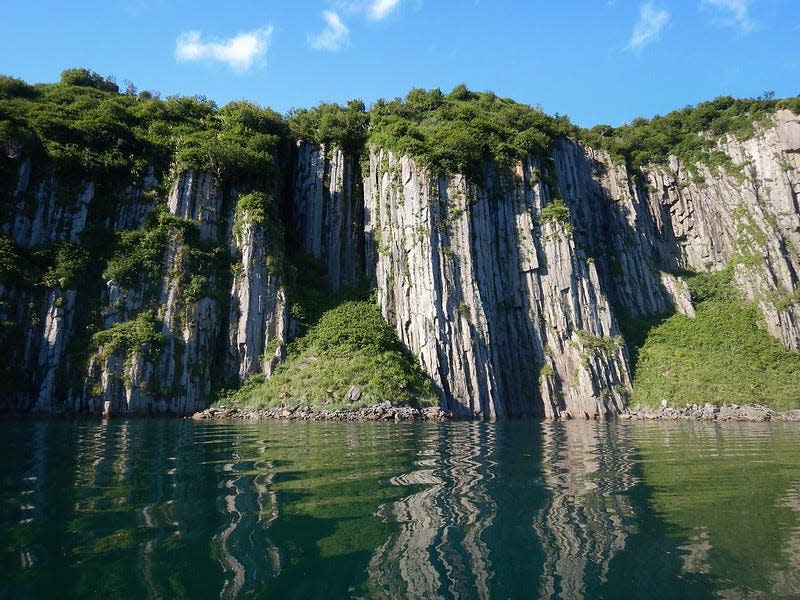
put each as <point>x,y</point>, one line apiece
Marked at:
<point>690,133</point>
<point>333,125</point>
<point>457,132</point>
<point>88,130</point>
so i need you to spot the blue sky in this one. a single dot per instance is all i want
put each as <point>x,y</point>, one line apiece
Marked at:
<point>601,61</point>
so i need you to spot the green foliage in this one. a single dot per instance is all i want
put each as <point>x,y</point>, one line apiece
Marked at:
<point>12,264</point>
<point>458,132</point>
<point>343,341</point>
<point>352,326</point>
<point>594,343</point>
<point>197,288</point>
<point>142,333</point>
<point>717,285</point>
<point>86,78</point>
<point>310,293</point>
<point>58,264</point>
<point>88,130</point>
<point>723,355</point>
<point>138,255</point>
<point>69,264</point>
<point>351,345</point>
<point>333,124</point>
<point>556,211</point>
<point>239,140</point>
<point>690,133</point>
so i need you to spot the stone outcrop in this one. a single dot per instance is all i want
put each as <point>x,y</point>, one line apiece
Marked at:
<point>616,229</point>
<point>197,197</point>
<point>175,379</point>
<point>178,378</point>
<point>511,308</point>
<point>746,216</point>
<point>40,213</point>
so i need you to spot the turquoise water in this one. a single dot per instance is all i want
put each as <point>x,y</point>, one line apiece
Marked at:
<point>180,509</point>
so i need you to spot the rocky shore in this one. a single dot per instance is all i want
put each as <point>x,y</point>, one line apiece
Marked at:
<point>711,412</point>
<point>385,411</point>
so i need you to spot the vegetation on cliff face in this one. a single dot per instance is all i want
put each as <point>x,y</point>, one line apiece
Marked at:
<point>349,358</point>
<point>724,355</point>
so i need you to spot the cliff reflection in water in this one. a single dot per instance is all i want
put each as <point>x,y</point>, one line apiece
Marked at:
<point>588,469</point>
<point>248,505</point>
<point>489,523</point>
<point>439,547</point>
<point>346,510</point>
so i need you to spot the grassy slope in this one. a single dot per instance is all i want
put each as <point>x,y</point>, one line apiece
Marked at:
<point>723,355</point>
<point>344,342</point>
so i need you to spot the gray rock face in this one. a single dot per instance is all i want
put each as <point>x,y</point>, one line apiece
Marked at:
<point>504,311</point>
<point>198,337</point>
<point>747,216</point>
<point>511,313</point>
<point>40,216</point>
<point>617,230</point>
<point>328,211</point>
<point>259,316</point>
<point>178,380</point>
<point>55,334</point>
<point>37,212</point>
<point>197,197</point>
<point>135,203</point>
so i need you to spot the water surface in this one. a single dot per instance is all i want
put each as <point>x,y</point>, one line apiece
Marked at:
<point>183,509</point>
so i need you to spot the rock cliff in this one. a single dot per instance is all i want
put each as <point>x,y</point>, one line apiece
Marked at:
<point>511,307</point>
<point>745,216</point>
<point>142,297</point>
<point>161,338</point>
<point>503,309</point>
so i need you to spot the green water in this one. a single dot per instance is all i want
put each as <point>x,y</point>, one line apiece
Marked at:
<point>179,509</point>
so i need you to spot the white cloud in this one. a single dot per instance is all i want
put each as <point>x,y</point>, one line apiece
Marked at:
<point>378,10</point>
<point>738,13</point>
<point>651,21</point>
<point>374,10</point>
<point>333,37</point>
<point>239,52</point>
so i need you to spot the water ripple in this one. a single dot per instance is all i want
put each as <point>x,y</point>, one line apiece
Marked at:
<point>175,508</point>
